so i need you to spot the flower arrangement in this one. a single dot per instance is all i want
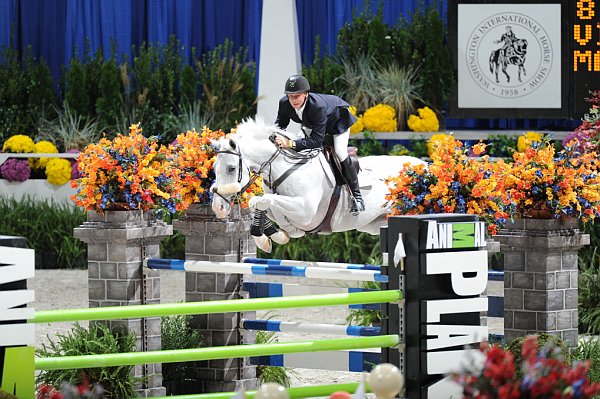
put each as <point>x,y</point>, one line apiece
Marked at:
<point>453,182</point>
<point>193,158</point>
<point>359,125</point>
<point>543,376</point>
<point>131,171</point>
<point>58,171</point>
<point>426,121</point>
<point>254,190</point>
<point>380,118</point>
<point>538,183</point>
<point>588,133</point>
<point>541,183</point>
<point>524,141</point>
<point>19,143</point>
<point>15,170</point>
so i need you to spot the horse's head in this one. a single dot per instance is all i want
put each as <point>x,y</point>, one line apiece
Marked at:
<point>232,175</point>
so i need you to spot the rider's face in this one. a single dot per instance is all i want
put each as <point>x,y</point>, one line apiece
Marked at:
<point>297,100</point>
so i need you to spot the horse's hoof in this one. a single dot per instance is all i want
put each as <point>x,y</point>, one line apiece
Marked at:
<point>264,243</point>
<point>281,237</point>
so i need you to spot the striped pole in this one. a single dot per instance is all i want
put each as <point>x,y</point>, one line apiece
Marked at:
<point>213,353</point>
<point>294,392</point>
<point>291,326</point>
<point>224,306</point>
<point>204,266</point>
<point>351,361</point>
<point>332,265</point>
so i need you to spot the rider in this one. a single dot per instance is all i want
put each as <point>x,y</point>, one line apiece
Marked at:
<point>319,114</point>
<point>508,38</point>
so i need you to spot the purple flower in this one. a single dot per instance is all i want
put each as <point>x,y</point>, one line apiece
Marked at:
<point>14,169</point>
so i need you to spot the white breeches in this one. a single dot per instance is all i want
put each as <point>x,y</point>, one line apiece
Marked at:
<point>340,144</point>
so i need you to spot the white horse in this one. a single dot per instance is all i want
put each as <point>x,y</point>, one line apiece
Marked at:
<point>301,200</point>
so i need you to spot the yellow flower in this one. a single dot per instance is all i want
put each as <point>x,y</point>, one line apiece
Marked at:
<point>427,121</point>
<point>58,171</point>
<point>380,118</point>
<point>358,126</point>
<point>436,139</point>
<point>526,139</point>
<point>42,147</point>
<point>18,143</point>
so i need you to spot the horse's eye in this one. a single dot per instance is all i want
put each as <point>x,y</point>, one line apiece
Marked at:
<point>230,169</point>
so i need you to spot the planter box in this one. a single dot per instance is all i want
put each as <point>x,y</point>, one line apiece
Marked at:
<point>39,189</point>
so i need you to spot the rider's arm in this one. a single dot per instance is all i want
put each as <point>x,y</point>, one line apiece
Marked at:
<point>318,120</point>
<point>283,120</point>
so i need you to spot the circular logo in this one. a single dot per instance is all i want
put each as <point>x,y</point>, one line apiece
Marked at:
<point>509,55</point>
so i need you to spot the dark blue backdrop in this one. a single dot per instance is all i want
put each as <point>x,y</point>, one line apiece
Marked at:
<point>56,28</point>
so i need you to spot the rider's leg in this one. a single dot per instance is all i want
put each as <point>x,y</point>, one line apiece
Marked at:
<point>340,144</point>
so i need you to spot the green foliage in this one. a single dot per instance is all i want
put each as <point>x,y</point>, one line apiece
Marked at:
<point>588,348</point>
<point>366,317</point>
<point>349,246</point>
<point>502,146</point>
<point>228,88</point>
<point>188,86</point>
<point>431,54</point>
<point>177,334</point>
<point>70,130</point>
<point>278,375</point>
<point>110,100</point>
<point>368,146</point>
<point>324,72</point>
<point>367,35</point>
<point>26,93</point>
<point>48,229</point>
<point>173,247</point>
<point>80,84</point>
<point>589,299</point>
<point>96,340</point>
<point>418,148</point>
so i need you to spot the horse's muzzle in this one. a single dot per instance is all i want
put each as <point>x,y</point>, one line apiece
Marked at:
<point>228,189</point>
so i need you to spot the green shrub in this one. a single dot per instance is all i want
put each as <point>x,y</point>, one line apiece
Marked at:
<point>96,340</point>
<point>349,246</point>
<point>110,101</point>
<point>323,74</point>
<point>588,348</point>
<point>48,229</point>
<point>177,334</point>
<point>275,374</point>
<point>228,88</point>
<point>545,342</point>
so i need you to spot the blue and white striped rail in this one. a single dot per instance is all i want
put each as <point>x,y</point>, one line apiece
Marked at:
<point>291,326</point>
<point>273,290</point>
<point>203,266</point>
<point>331,265</point>
<point>334,360</point>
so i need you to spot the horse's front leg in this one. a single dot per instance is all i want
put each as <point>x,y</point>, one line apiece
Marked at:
<point>285,210</point>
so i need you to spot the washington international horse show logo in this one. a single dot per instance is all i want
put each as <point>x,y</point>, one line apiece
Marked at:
<point>509,55</point>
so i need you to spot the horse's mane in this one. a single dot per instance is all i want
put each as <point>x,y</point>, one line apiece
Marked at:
<point>256,129</point>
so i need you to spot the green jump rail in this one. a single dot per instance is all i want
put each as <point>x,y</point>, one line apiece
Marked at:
<point>294,392</point>
<point>220,352</point>
<point>223,306</point>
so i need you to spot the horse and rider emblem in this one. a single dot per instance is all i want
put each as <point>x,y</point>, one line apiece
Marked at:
<point>512,52</point>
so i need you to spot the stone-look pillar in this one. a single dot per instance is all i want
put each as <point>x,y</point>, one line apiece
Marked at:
<point>118,242</point>
<point>540,277</point>
<point>209,238</point>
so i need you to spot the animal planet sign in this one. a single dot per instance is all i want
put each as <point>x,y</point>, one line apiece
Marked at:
<point>508,56</point>
<point>446,272</point>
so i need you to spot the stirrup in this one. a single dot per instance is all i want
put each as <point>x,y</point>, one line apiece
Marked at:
<point>356,205</point>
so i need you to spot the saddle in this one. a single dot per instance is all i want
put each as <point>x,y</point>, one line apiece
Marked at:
<point>329,152</point>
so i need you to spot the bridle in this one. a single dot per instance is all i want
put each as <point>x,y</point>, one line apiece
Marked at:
<point>253,178</point>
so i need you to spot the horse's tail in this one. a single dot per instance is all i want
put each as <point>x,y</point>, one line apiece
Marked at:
<point>493,57</point>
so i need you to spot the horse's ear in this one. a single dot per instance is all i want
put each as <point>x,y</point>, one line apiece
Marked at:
<point>232,144</point>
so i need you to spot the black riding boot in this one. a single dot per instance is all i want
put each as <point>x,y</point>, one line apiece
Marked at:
<point>356,201</point>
